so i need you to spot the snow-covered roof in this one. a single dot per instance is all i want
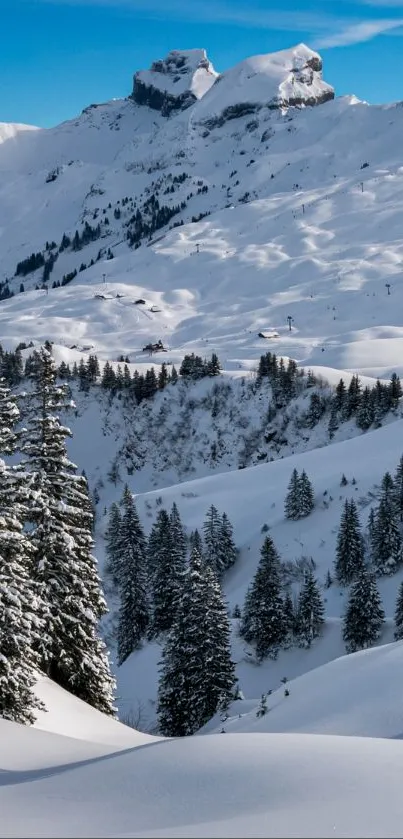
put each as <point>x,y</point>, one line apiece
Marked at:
<point>287,77</point>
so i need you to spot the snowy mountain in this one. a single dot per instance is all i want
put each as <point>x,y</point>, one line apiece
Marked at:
<point>239,213</point>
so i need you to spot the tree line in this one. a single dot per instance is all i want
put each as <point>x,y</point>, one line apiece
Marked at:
<point>168,587</point>
<point>367,406</point>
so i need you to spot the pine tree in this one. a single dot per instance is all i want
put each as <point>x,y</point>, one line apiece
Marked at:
<point>364,616</point>
<point>196,669</point>
<point>196,543</point>
<point>310,611</point>
<point>178,556</point>
<point>353,397</point>
<point>340,397</point>
<point>289,616</point>
<point>134,606</point>
<point>166,559</point>
<point>399,614</point>
<point>263,618</point>
<point>262,709</point>
<point>395,390</point>
<point>386,545</point>
<point>306,499</point>
<point>365,411</point>
<point>20,625</point>
<point>65,572</point>
<point>333,423</point>
<point>398,488</point>
<point>226,549</point>
<point>292,500</point>
<point>219,672</point>
<point>113,544</point>
<point>350,549</point>
<point>211,531</point>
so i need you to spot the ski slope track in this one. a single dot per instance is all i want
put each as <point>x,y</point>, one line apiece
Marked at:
<point>282,206</point>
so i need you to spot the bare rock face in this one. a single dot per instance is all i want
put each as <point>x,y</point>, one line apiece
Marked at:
<point>175,82</point>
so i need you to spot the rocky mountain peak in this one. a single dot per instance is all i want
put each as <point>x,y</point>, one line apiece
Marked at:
<point>283,79</point>
<point>174,82</point>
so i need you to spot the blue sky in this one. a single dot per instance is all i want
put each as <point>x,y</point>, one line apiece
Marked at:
<point>57,56</point>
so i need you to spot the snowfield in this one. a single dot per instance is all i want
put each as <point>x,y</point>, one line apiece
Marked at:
<point>254,785</point>
<point>283,215</point>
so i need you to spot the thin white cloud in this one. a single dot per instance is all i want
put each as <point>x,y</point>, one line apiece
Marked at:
<point>356,33</point>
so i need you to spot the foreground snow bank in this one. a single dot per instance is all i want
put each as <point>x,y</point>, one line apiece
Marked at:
<point>234,785</point>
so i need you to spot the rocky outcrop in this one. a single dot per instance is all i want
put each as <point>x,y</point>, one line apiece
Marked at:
<point>175,82</point>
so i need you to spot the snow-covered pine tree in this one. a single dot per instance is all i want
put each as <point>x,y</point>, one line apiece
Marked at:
<point>306,497</point>
<point>290,617</point>
<point>292,499</point>
<point>262,709</point>
<point>386,544</point>
<point>9,416</point>
<point>349,549</point>
<point>211,533</point>
<point>72,603</point>
<point>164,583</point>
<point>371,525</point>
<point>20,625</point>
<point>398,488</point>
<point>153,543</point>
<point>310,611</point>
<point>364,616</point>
<point>112,544</point>
<point>263,619</point>
<point>366,410</point>
<point>226,549</point>
<point>196,543</point>
<point>333,423</point>
<point>182,685</point>
<point>178,553</point>
<point>399,614</point>
<point>219,668</point>
<point>134,606</point>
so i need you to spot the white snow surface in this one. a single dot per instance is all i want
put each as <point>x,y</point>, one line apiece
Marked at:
<point>237,785</point>
<point>69,716</point>
<point>354,695</point>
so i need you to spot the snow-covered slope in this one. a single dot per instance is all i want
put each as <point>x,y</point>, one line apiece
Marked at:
<point>253,498</point>
<point>237,785</point>
<point>353,695</point>
<point>71,717</point>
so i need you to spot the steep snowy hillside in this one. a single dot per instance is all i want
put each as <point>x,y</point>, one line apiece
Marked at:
<point>254,501</point>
